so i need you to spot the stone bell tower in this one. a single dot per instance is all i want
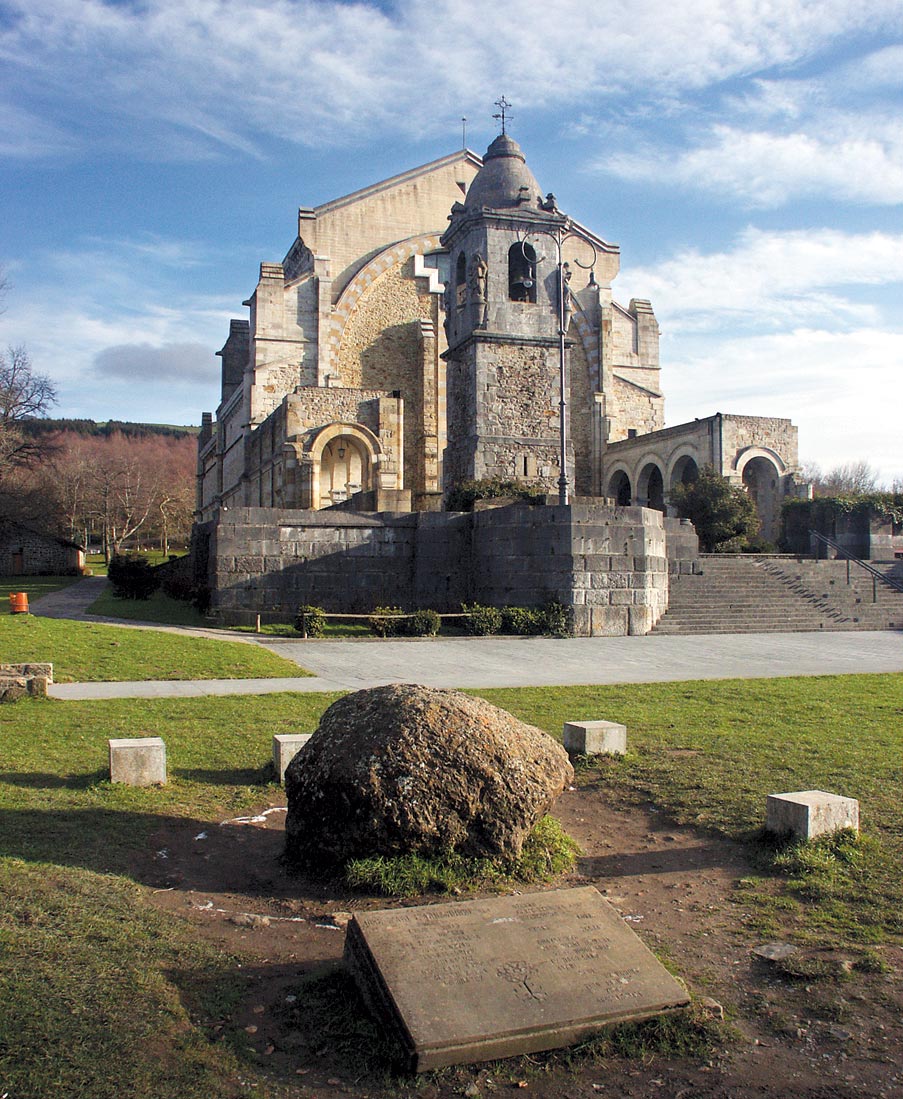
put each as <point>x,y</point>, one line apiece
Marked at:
<point>502,324</point>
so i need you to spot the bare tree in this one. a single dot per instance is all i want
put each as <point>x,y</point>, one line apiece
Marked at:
<point>849,479</point>
<point>24,395</point>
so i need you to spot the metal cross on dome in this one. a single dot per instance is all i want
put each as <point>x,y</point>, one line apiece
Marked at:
<point>503,106</point>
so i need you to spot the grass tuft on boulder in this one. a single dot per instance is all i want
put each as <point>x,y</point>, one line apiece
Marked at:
<point>548,851</point>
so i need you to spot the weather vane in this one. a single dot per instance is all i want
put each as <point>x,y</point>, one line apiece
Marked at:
<point>503,106</point>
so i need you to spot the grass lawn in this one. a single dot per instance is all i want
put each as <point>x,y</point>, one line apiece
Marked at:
<point>33,586</point>
<point>89,652</point>
<point>708,754</point>
<point>98,991</point>
<point>98,567</point>
<point>100,996</point>
<point>159,608</point>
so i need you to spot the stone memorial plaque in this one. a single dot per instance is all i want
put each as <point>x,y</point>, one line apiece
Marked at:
<point>476,980</point>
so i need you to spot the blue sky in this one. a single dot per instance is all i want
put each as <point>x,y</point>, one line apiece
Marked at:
<point>747,156</point>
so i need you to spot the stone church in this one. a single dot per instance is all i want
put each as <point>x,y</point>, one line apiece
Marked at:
<point>416,335</point>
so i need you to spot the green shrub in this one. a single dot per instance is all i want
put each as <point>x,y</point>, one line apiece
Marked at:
<point>202,598</point>
<point>179,587</point>
<point>424,623</point>
<point>462,496</point>
<point>310,621</point>
<point>723,514</point>
<point>481,621</point>
<point>132,577</point>
<point>386,621</point>
<point>527,621</point>
<point>557,620</point>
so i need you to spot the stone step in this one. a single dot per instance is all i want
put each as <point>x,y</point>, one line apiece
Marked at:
<point>764,627</point>
<point>749,594</point>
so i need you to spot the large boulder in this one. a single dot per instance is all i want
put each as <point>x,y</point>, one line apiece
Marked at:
<point>408,769</point>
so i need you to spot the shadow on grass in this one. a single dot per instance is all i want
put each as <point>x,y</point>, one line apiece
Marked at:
<point>164,852</point>
<point>38,780</point>
<point>704,855</point>
<point>247,776</point>
<point>318,1019</point>
<point>314,1018</point>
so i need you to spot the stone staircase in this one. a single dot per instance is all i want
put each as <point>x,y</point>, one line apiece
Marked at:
<point>775,594</point>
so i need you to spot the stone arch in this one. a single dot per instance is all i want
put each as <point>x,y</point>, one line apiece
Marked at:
<point>683,468</point>
<point>745,456</point>
<point>650,486</point>
<point>582,328</point>
<point>391,257</point>
<point>342,459</point>
<point>762,473</point>
<point>619,487</point>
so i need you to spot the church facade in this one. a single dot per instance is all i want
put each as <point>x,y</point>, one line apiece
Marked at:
<point>417,334</point>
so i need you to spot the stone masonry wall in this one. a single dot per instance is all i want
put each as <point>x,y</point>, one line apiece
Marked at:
<point>581,419</point>
<point>774,433</point>
<point>27,553</point>
<point>636,408</point>
<point>609,564</point>
<point>509,394</point>
<point>312,407</point>
<point>381,348</point>
<point>270,562</point>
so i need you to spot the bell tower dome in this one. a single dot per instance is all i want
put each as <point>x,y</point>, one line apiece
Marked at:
<point>502,324</point>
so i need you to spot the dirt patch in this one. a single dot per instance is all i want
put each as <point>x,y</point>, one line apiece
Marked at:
<point>817,1029</point>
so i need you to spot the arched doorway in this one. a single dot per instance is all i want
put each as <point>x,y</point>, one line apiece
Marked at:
<point>619,488</point>
<point>762,481</point>
<point>344,470</point>
<point>650,488</point>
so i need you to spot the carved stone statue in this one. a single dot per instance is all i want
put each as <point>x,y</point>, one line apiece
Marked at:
<point>479,278</point>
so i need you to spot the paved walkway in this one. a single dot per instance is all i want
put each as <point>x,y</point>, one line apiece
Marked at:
<point>499,662</point>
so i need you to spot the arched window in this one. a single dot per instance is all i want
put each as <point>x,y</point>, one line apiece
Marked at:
<point>461,281</point>
<point>522,272</point>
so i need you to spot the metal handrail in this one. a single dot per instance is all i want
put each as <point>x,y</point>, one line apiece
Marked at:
<point>851,560</point>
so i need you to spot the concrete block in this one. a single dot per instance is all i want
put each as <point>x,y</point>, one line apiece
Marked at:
<point>138,761</point>
<point>594,738</point>
<point>809,813</point>
<point>285,747</point>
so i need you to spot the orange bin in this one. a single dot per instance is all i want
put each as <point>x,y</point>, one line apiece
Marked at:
<point>18,602</point>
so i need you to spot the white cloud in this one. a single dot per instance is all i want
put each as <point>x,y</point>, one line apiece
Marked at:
<point>834,386</point>
<point>766,169</point>
<point>771,279</point>
<point>879,71</point>
<point>115,328</point>
<point>317,71</point>
<point>25,136</point>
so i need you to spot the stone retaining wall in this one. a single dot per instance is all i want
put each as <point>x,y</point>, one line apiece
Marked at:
<point>610,565</point>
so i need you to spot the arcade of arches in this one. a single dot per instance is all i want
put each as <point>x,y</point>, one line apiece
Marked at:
<point>762,475</point>
<point>650,485</point>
